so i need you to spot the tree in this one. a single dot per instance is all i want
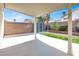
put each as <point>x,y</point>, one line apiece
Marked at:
<point>40,19</point>
<point>47,21</point>
<point>55,26</point>
<point>14,20</point>
<point>64,14</point>
<point>43,19</point>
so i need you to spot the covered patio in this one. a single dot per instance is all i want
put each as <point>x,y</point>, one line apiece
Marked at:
<point>31,47</point>
<point>37,45</point>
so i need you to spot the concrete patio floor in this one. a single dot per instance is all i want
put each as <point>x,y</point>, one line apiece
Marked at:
<point>27,46</point>
<point>59,44</point>
<point>32,48</point>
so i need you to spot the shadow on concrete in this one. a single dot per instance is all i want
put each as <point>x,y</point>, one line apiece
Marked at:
<point>32,48</point>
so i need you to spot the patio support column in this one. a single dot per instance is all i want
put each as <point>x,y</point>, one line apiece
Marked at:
<point>35,28</point>
<point>1,22</point>
<point>70,30</point>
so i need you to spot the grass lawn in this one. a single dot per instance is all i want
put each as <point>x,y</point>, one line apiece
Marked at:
<point>75,39</point>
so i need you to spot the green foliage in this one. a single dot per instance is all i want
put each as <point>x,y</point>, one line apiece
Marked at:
<point>74,38</point>
<point>63,28</point>
<point>64,13</point>
<point>55,36</point>
<point>55,26</point>
<point>48,16</point>
<point>40,19</point>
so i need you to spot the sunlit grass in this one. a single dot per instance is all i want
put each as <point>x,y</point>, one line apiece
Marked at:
<point>75,39</point>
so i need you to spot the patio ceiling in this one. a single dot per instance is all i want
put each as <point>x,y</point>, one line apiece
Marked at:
<point>35,9</point>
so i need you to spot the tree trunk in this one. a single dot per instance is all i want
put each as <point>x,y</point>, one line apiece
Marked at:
<point>47,24</point>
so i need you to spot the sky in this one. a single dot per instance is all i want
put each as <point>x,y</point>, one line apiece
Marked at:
<point>10,15</point>
<point>58,14</point>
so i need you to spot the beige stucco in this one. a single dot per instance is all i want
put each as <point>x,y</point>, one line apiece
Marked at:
<point>1,21</point>
<point>35,9</point>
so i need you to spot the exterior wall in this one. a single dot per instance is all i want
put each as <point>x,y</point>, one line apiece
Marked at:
<point>74,24</point>
<point>17,28</point>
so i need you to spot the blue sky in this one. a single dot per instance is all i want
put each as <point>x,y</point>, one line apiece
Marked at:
<point>57,14</point>
<point>10,15</point>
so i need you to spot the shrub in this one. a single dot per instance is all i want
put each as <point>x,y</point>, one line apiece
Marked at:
<point>63,28</point>
<point>77,29</point>
<point>55,26</point>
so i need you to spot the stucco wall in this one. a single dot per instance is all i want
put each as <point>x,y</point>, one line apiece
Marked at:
<point>17,28</point>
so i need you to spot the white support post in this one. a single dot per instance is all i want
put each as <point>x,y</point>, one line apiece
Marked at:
<point>70,30</point>
<point>1,21</point>
<point>35,28</point>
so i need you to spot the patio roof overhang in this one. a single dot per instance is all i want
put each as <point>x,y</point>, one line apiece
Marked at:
<point>35,9</point>
<point>39,9</point>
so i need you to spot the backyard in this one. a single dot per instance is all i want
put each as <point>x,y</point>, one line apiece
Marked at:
<point>75,39</point>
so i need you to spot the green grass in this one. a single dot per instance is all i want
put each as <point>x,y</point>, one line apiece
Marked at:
<point>75,39</point>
